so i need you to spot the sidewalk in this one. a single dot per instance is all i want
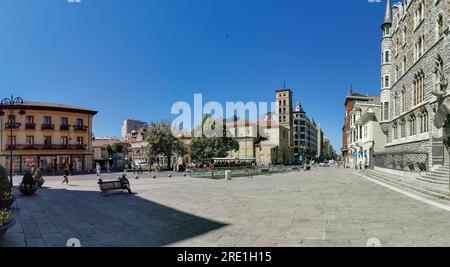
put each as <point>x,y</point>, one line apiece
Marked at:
<point>431,189</point>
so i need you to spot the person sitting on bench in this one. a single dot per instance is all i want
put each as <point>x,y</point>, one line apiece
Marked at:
<point>126,183</point>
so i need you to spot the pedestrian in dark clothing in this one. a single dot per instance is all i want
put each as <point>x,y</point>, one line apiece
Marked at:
<point>66,175</point>
<point>126,183</point>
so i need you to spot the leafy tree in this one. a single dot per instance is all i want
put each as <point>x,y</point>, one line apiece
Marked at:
<point>161,141</point>
<point>114,148</point>
<point>214,147</point>
<point>207,147</point>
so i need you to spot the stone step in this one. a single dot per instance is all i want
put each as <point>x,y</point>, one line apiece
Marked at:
<point>437,176</point>
<point>441,173</point>
<point>432,180</point>
<point>392,180</point>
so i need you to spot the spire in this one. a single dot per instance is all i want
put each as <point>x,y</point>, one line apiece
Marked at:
<point>351,90</point>
<point>388,14</point>
<point>299,108</point>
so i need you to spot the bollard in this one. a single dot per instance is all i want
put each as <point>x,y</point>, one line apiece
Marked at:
<point>228,175</point>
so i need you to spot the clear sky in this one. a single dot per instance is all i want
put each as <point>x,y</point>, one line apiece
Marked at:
<point>135,58</point>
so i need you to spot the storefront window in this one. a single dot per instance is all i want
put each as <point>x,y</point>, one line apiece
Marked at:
<point>48,164</point>
<point>77,163</point>
<point>15,167</point>
<point>29,163</point>
<point>63,161</point>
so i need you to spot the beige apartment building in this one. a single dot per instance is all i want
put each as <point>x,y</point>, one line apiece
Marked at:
<point>50,136</point>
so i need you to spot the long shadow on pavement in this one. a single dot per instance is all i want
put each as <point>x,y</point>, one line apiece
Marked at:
<point>55,215</point>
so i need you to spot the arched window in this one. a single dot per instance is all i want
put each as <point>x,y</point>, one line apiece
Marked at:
<point>419,14</point>
<point>403,100</point>
<point>440,27</point>
<point>397,76</point>
<point>424,121</point>
<point>412,125</point>
<point>419,88</point>
<point>404,35</point>
<point>12,119</point>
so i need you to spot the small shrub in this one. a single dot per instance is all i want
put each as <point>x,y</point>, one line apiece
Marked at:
<point>4,217</point>
<point>28,182</point>
<point>5,185</point>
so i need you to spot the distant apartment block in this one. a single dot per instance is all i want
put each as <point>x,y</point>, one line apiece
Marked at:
<point>129,126</point>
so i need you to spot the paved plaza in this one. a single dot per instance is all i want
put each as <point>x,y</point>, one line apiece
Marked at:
<point>324,207</point>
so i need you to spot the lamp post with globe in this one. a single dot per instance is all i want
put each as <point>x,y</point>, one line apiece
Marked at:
<point>11,104</point>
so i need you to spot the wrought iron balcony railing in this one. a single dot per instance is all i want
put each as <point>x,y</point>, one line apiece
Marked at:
<point>80,128</point>
<point>64,127</point>
<point>30,126</point>
<point>46,147</point>
<point>48,127</point>
<point>14,125</point>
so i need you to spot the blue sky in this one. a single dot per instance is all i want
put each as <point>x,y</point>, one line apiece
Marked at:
<point>135,58</point>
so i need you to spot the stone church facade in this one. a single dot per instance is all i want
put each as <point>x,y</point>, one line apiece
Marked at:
<point>414,71</point>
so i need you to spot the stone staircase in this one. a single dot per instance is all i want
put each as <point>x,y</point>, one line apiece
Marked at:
<point>435,190</point>
<point>439,176</point>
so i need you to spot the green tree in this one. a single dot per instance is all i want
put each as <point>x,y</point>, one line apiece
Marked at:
<point>213,147</point>
<point>113,149</point>
<point>207,147</point>
<point>161,141</point>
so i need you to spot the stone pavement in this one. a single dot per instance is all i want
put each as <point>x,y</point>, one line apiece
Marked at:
<point>325,207</point>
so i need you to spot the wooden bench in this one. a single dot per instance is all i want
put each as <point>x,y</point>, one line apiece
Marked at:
<point>113,186</point>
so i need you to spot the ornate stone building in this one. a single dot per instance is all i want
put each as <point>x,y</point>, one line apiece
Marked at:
<point>349,134</point>
<point>305,134</point>
<point>415,65</point>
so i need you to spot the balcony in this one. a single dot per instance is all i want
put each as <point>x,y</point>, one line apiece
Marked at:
<point>70,147</point>
<point>46,147</point>
<point>80,128</point>
<point>49,127</point>
<point>64,127</point>
<point>30,126</point>
<point>14,125</point>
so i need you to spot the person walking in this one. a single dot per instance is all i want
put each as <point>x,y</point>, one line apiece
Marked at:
<point>66,175</point>
<point>98,170</point>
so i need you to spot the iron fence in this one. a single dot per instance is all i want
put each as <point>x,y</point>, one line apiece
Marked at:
<point>219,173</point>
<point>402,161</point>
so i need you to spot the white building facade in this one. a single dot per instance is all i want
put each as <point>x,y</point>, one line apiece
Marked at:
<point>365,135</point>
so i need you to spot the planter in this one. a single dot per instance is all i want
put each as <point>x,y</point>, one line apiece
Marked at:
<point>5,203</point>
<point>28,191</point>
<point>5,228</point>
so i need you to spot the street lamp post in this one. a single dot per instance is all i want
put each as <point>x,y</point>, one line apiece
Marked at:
<point>11,103</point>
